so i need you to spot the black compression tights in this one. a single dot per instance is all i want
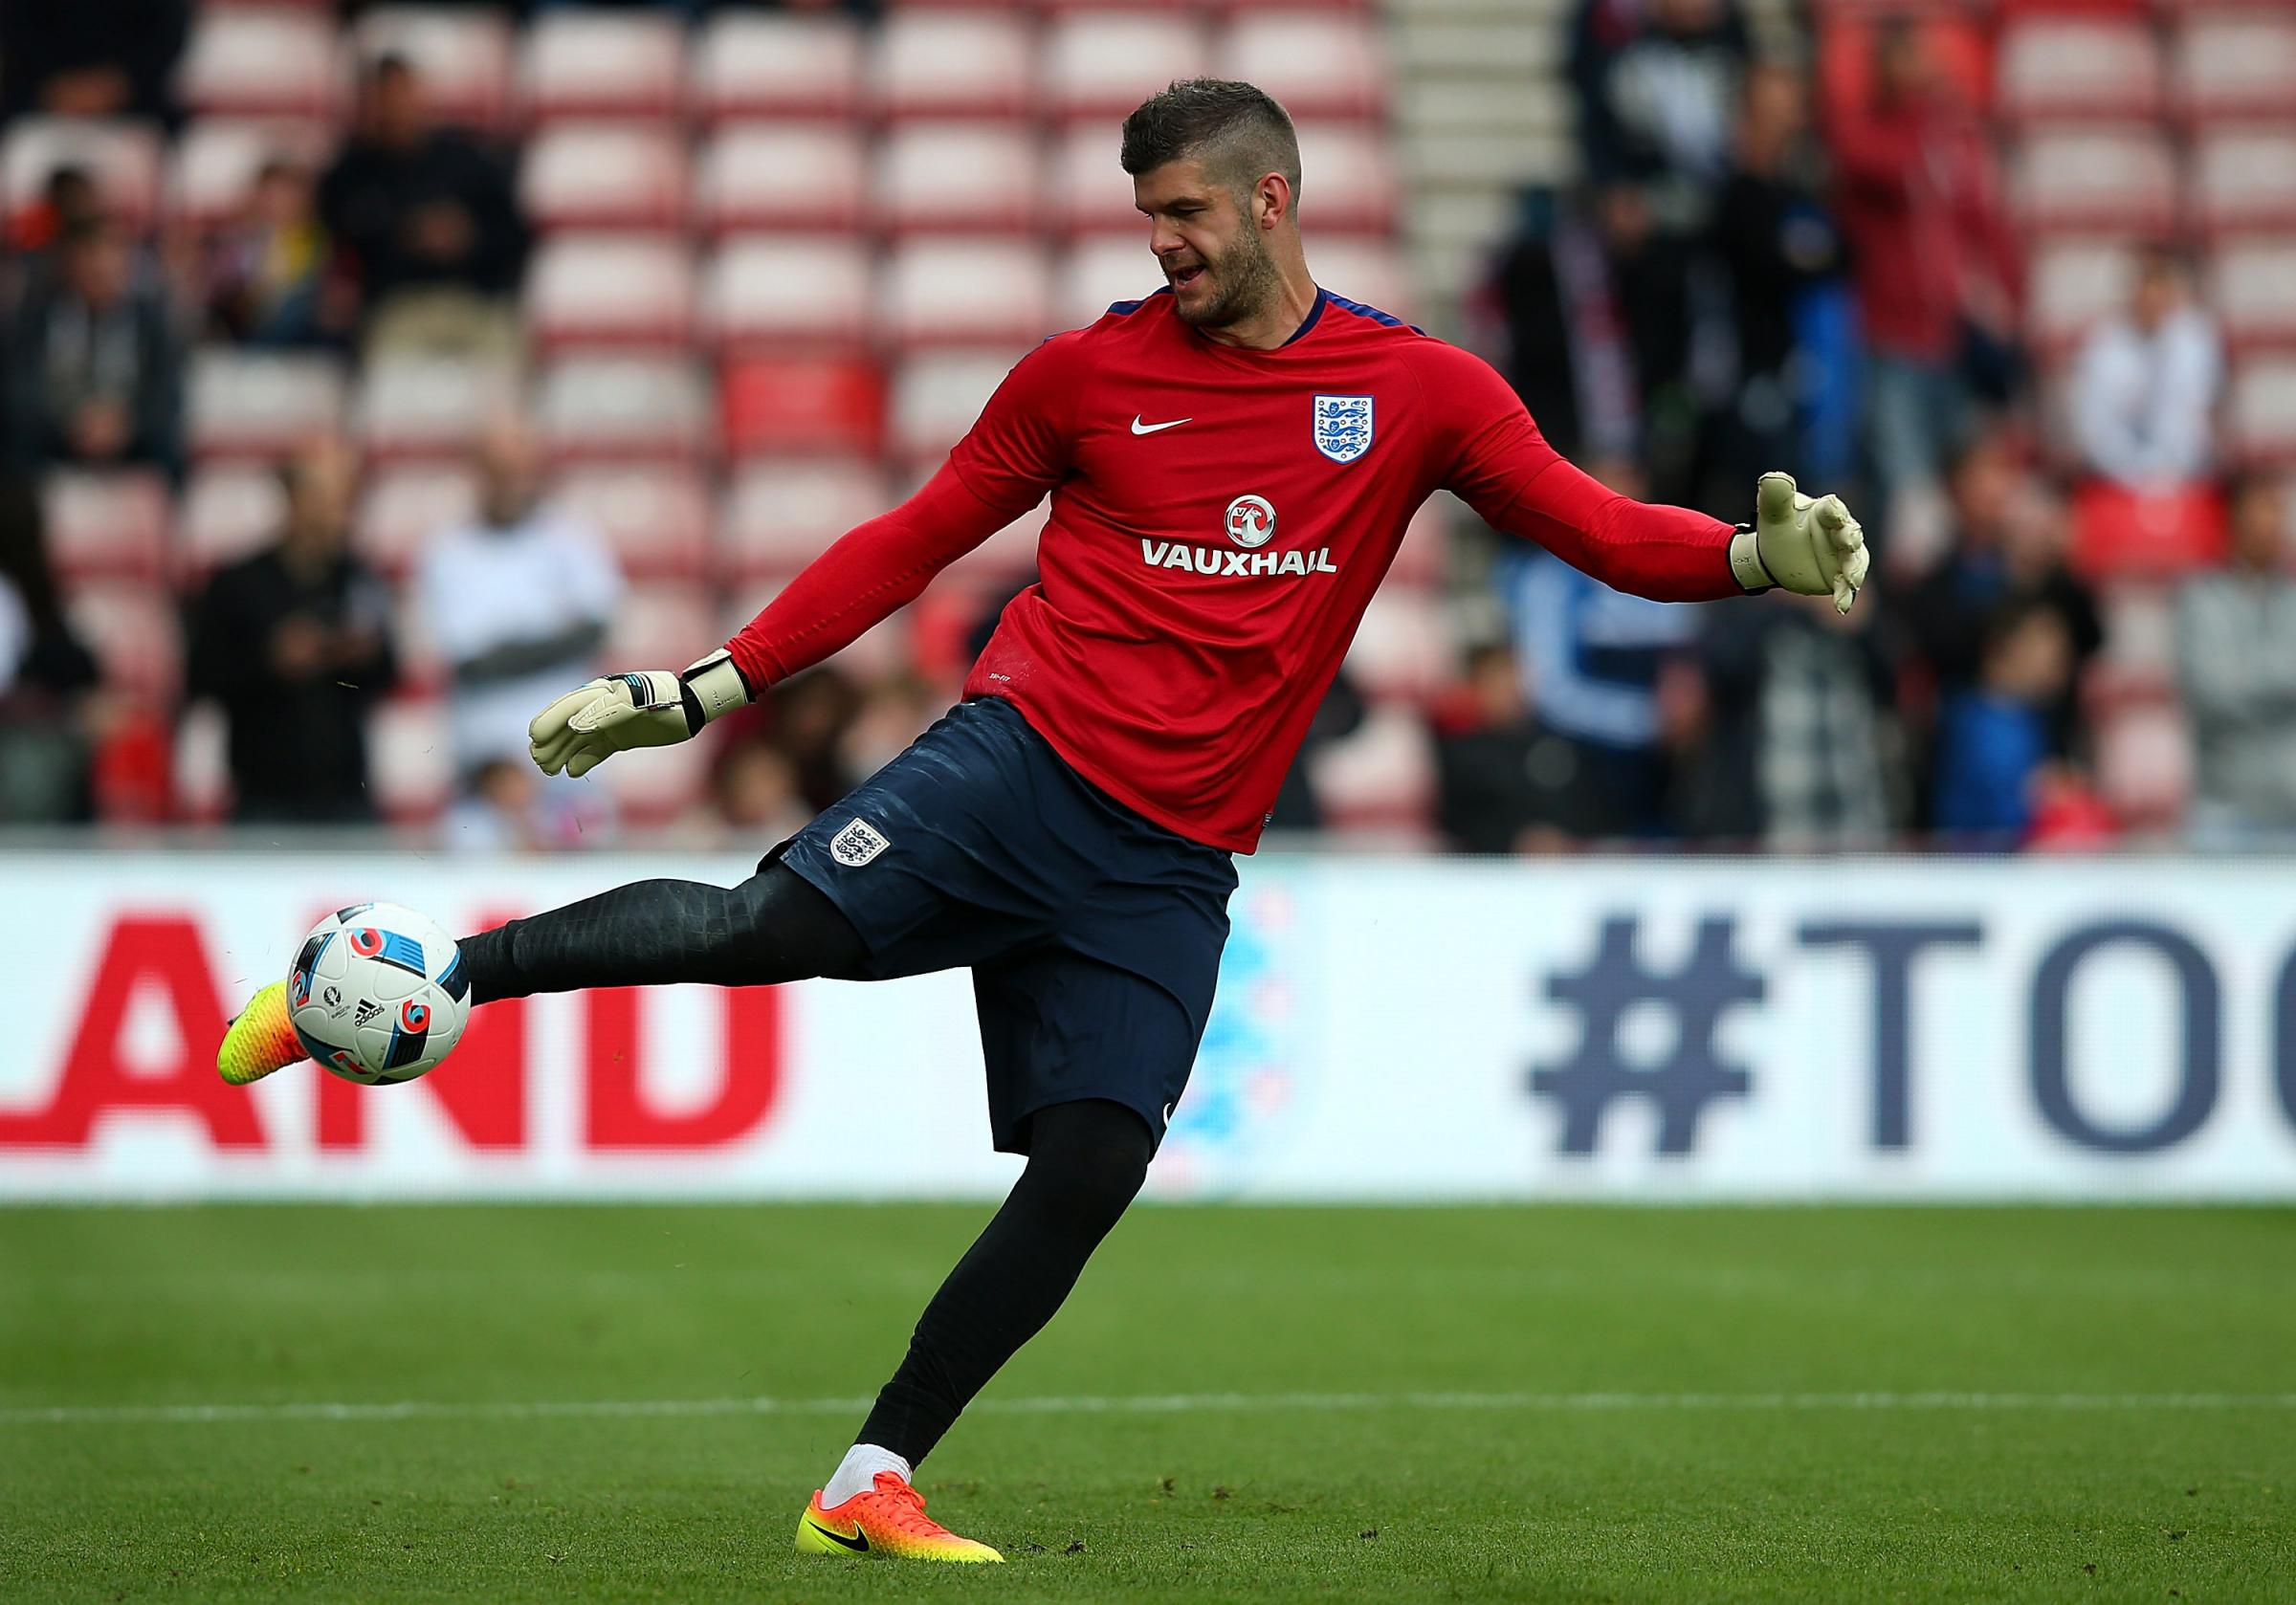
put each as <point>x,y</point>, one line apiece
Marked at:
<point>774,927</point>
<point>1086,1162</point>
<point>1086,1159</point>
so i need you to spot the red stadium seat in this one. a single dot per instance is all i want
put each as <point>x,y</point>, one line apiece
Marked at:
<point>2252,287</point>
<point>622,409</point>
<point>2245,179</point>
<point>2121,533</point>
<point>428,407</point>
<point>1089,191</point>
<point>603,175</point>
<point>603,63</point>
<point>833,406</point>
<point>242,403</point>
<point>410,760</point>
<point>656,520</point>
<point>937,396</point>
<point>2235,65</point>
<point>231,511</point>
<point>1096,274</point>
<point>122,157</point>
<point>136,632</point>
<point>970,63</point>
<point>2260,417</point>
<point>461,55</point>
<point>109,525</point>
<point>1101,65</point>
<point>611,290</point>
<point>779,515</point>
<point>782,176</point>
<point>1347,181</point>
<point>2122,180</point>
<point>264,63</point>
<point>958,176</point>
<point>216,163</point>
<point>768,296</point>
<point>1317,64</point>
<point>403,510</point>
<point>2072,283</point>
<point>751,65</point>
<point>966,293</point>
<point>2088,66</point>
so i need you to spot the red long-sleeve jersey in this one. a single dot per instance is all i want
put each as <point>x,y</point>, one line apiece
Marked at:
<point>1220,517</point>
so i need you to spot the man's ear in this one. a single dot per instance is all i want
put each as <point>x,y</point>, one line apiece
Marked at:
<point>1271,200</point>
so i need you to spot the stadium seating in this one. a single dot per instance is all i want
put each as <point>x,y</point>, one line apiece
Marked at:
<point>261,63</point>
<point>1101,65</point>
<point>781,293</point>
<point>832,405</point>
<point>957,176</point>
<point>2119,531</point>
<point>603,175</point>
<point>748,64</point>
<point>780,515</point>
<point>2252,288</point>
<point>409,758</point>
<point>611,290</point>
<point>623,408</point>
<point>122,157</point>
<point>2111,179</point>
<point>403,508</point>
<point>1089,191</point>
<point>229,511</point>
<point>2084,66</point>
<point>2239,64</point>
<point>427,407</point>
<point>1318,63</point>
<point>966,291</point>
<point>2070,284</point>
<point>136,632</point>
<point>462,54</point>
<point>937,396</point>
<point>218,160</point>
<point>603,63</point>
<point>970,63</point>
<point>803,176</point>
<point>106,525</point>
<point>262,405</point>
<point>2245,179</point>
<point>2261,414</point>
<point>655,520</point>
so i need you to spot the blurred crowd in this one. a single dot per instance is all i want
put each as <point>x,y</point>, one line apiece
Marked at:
<point>1771,260</point>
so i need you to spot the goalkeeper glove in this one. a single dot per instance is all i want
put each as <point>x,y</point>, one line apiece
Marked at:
<point>1812,548</point>
<point>650,709</point>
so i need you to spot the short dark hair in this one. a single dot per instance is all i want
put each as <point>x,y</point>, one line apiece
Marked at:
<point>1237,130</point>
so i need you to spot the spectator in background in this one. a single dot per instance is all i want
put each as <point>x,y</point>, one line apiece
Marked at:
<point>1775,239</point>
<point>1992,736</point>
<point>293,644</point>
<point>68,200</point>
<point>2008,548</point>
<point>1658,87</point>
<point>1593,656</point>
<point>96,365</point>
<point>1789,747</point>
<point>91,57</point>
<point>518,602</point>
<point>46,675</point>
<point>754,794</point>
<point>1932,258</point>
<point>2235,654</point>
<point>1505,782</point>
<point>431,221</point>
<point>2145,388</point>
<point>269,275</point>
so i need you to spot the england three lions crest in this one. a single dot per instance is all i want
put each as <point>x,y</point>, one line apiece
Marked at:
<point>1343,426</point>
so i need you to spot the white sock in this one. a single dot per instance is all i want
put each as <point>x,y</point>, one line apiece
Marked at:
<point>857,1473</point>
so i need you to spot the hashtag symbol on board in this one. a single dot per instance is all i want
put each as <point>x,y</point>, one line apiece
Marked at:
<point>1596,1074</point>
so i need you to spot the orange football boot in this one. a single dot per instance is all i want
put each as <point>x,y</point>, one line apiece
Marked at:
<point>259,1040</point>
<point>889,1520</point>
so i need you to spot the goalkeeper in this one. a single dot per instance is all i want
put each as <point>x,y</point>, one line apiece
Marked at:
<point>1231,462</point>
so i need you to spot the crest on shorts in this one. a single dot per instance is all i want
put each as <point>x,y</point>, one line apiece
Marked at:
<point>1343,426</point>
<point>857,843</point>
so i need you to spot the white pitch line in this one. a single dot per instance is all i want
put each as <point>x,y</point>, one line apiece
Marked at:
<point>1128,1404</point>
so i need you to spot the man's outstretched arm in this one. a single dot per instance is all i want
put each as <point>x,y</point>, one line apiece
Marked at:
<point>871,571</point>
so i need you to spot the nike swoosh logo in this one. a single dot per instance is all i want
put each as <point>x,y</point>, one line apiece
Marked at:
<point>857,1543</point>
<point>1139,427</point>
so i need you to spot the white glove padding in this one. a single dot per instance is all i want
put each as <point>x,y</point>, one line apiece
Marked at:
<point>652,707</point>
<point>1812,548</point>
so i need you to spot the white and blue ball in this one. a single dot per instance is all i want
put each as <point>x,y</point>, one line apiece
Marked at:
<point>378,993</point>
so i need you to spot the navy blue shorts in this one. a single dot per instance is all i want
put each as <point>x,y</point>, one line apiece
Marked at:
<point>1094,934</point>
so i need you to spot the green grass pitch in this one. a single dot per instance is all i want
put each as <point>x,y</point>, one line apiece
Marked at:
<point>1682,1404</point>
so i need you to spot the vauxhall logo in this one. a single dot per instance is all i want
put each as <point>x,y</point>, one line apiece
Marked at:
<point>1249,522</point>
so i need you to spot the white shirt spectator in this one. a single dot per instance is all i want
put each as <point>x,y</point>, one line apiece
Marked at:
<point>517,612</point>
<point>2143,401</point>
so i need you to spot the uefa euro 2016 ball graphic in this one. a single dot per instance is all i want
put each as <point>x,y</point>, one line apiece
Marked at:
<point>378,993</point>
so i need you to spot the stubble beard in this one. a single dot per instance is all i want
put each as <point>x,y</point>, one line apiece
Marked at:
<point>1253,282</point>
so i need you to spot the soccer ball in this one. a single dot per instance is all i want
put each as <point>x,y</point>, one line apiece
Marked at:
<point>378,993</point>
